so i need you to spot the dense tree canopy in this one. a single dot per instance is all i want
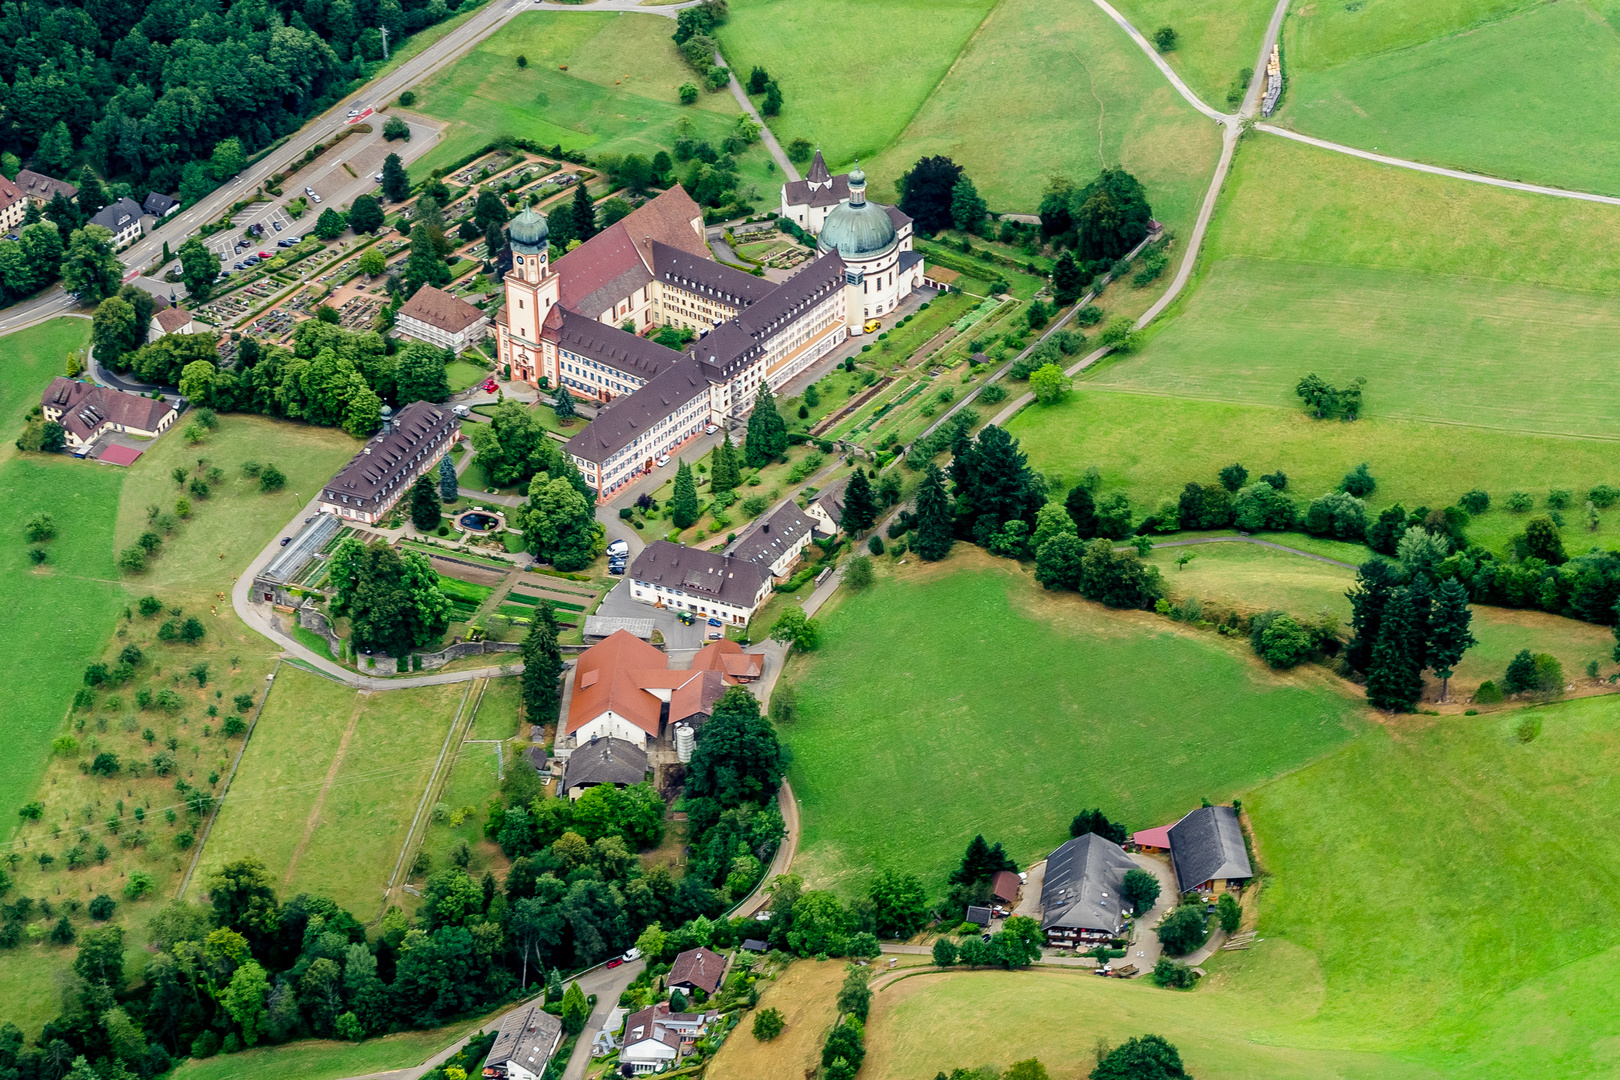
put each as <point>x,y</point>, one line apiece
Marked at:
<point>738,758</point>
<point>926,191</point>
<point>392,599</point>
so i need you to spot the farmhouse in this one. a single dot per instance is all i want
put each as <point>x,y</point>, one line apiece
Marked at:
<point>576,325</point>
<point>41,189</point>
<point>827,508</point>
<point>655,1037</point>
<point>625,693</point>
<point>13,205</point>
<point>523,1047</point>
<point>1081,895</point>
<point>728,658</point>
<point>87,411</point>
<point>1207,851</point>
<point>697,969</point>
<point>1005,885</point>
<point>436,317</point>
<point>706,583</point>
<point>604,761</point>
<point>409,444</point>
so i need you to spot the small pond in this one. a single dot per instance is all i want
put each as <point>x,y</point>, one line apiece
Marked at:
<point>477,521</point>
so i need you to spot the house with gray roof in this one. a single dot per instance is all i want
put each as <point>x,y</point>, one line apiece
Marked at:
<point>706,583</point>
<point>604,761</point>
<point>776,543</point>
<point>409,443</point>
<point>122,218</point>
<point>527,1039</point>
<point>1082,894</point>
<point>827,508</point>
<point>1207,850</point>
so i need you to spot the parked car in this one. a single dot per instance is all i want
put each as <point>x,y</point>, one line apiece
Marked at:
<point>461,411</point>
<point>618,547</point>
<point>663,460</point>
<point>615,962</point>
<point>377,178</point>
<point>285,540</point>
<point>710,430</point>
<point>264,255</point>
<point>277,224</point>
<point>616,569</point>
<point>487,386</point>
<point>315,198</point>
<point>283,243</point>
<point>309,191</point>
<point>633,954</point>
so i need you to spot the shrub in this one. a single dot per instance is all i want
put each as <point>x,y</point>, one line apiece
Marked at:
<point>1172,974</point>
<point>1603,496</point>
<point>1090,315</point>
<point>1229,912</point>
<point>1337,514</point>
<point>102,907</point>
<point>768,1024</point>
<point>1558,498</point>
<point>993,394</point>
<point>1519,502</point>
<point>40,527</point>
<point>1475,502</point>
<point>1488,693</point>
<point>1183,930</point>
<point>1358,482</point>
<point>1280,641</point>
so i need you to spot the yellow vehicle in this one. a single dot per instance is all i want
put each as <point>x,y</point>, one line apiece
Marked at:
<point>871,326</point>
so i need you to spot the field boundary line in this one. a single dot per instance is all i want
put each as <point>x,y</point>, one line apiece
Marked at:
<point>314,818</point>
<point>219,803</point>
<point>431,786</point>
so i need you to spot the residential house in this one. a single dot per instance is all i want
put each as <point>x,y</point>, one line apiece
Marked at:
<point>13,205</point>
<point>86,411</point>
<point>1207,851</point>
<point>1005,885</point>
<point>827,508</point>
<point>409,443</point>
<point>122,218</point>
<point>656,1037</point>
<point>697,969</point>
<point>171,320</point>
<point>1082,895</point>
<point>524,1045</point>
<point>41,189</point>
<point>446,321</point>
<point>160,205</point>
<point>604,761</point>
<point>705,583</point>
<point>775,544</point>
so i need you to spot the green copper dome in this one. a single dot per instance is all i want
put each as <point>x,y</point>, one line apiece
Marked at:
<point>528,232</point>
<point>857,229</point>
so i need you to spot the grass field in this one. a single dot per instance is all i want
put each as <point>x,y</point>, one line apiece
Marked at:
<point>997,115</point>
<point>594,81</point>
<point>1322,36</point>
<point>1214,40</point>
<point>1509,98</point>
<point>1251,578</point>
<point>804,994</point>
<point>31,358</point>
<point>952,745</point>
<point>329,785</point>
<point>325,1059</point>
<point>1150,447</point>
<point>852,74</point>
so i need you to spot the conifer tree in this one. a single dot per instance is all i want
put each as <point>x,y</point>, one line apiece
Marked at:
<point>726,473</point>
<point>933,518</point>
<point>425,509</point>
<point>542,667</point>
<point>860,508</point>
<point>767,431</point>
<point>1395,674</point>
<point>1375,581</point>
<point>584,213</point>
<point>1068,282</point>
<point>1449,635</point>
<point>449,487</point>
<point>562,403</point>
<point>683,504</point>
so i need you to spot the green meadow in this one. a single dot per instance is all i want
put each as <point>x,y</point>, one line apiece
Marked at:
<point>599,82</point>
<point>1215,40</point>
<point>982,704</point>
<point>998,113</point>
<point>1319,36</point>
<point>1525,97</point>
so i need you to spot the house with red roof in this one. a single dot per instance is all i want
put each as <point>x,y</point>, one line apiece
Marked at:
<point>624,690</point>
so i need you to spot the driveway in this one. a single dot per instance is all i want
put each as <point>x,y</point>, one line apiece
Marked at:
<point>677,638</point>
<point>1144,951</point>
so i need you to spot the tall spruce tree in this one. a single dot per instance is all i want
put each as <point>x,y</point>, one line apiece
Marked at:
<point>994,484</point>
<point>726,472</point>
<point>934,518</point>
<point>683,503</point>
<point>767,431</point>
<point>1068,281</point>
<point>1375,580</point>
<point>449,487</point>
<point>1449,633</point>
<point>542,667</point>
<point>562,403</point>
<point>425,509</point>
<point>1395,673</point>
<point>860,508</point>
<point>584,213</point>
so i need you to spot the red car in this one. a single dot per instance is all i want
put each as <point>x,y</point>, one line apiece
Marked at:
<point>488,387</point>
<point>615,962</point>
<point>264,255</point>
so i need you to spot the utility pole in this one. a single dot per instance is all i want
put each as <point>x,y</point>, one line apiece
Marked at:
<point>384,30</point>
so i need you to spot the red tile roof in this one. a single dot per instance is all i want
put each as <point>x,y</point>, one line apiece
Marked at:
<point>728,657</point>
<point>605,678</point>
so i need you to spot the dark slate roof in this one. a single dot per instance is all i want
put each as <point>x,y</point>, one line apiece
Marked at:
<point>117,215</point>
<point>799,193</point>
<point>418,429</point>
<point>86,407</point>
<point>605,761</point>
<point>707,277</point>
<point>536,755</point>
<point>608,345</point>
<point>755,945</point>
<point>831,500</point>
<point>618,424</point>
<point>899,217</point>
<point>1083,885</point>
<point>736,342</point>
<point>819,173</point>
<point>527,1038</point>
<point>1207,844</point>
<point>908,259</point>
<point>774,537</point>
<point>705,573</point>
<point>978,915</point>
<point>159,203</point>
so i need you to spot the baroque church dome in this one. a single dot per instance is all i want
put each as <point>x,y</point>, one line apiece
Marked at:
<point>529,232</point>
<point>856,229</point>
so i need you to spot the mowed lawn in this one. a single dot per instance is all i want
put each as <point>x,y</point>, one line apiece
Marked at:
<point>1456,887</point>
<point>1251,578</point>
<point>960,698</point>
<point>29,360</point>
<point>935,1023</point>
<point>329,784</point>
<point>1325,35</point>
<point>853,74</point>
<point>1000,113</point>
<point>1215,39</point>
<point>1150,447</point>
<point>598,82</point>
<point>1525,97</point>
<point>327,1059</point>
